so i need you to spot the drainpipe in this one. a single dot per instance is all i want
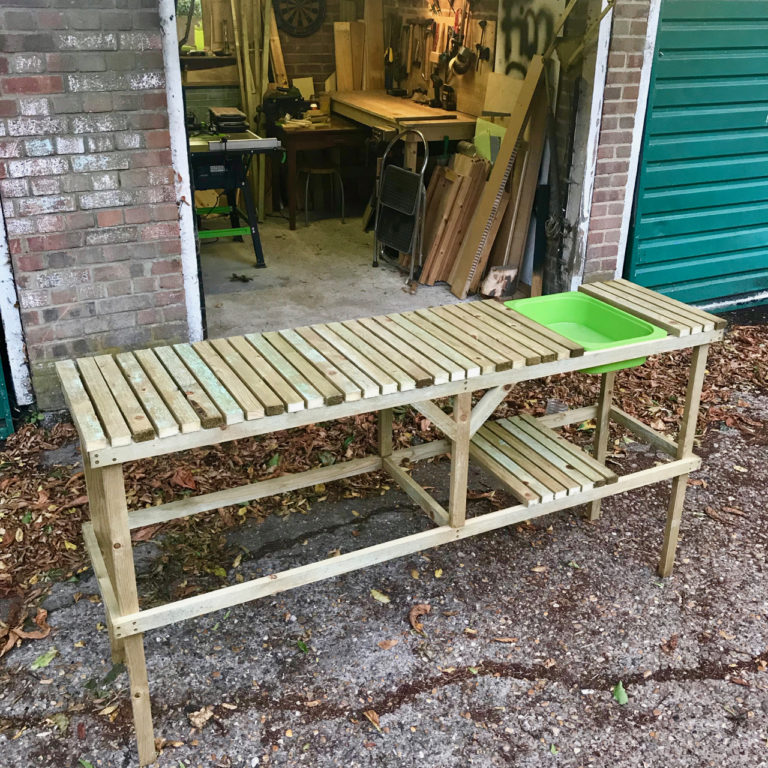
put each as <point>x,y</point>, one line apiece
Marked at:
<point>180,162</point>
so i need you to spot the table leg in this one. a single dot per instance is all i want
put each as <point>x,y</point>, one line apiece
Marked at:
<point>684,450</point>
<point>600,449</point>
<point>385,432</point>
<point>291,152</point>
<point>457,500</point>
<point>411,151</point>
<point>106,494</point>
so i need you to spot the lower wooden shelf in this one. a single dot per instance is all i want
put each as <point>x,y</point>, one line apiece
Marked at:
<point>534,462</point>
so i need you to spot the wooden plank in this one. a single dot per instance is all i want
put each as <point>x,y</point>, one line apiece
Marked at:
<point>643,431</point>
<point>192,505</point>
<point>84,416</point>
<point>440,370</point>
<point>312,398</point>
<point>565,418</point>
<point>107,409</point>
<point>444,422</point>
<point>504,469</point>
<point>276,53</point>
<point>327,367</point>
<point>380,354</point>
<point>292,400</point>
<point>342,46</point>
<point>162,419</point>
<point>469,367</point>
<point>331,395</point>
<point>718,322</point>
<point>367,386</point>
<point>530,327</point>
<point>386,418</point>
<point>499,352</point>
<point>579,479</point>
<point>386,383</point>
<point>548,475</point>
<point>172,396</point>
<point>468,349</point>
<point>137,421</point>
<point>435,511</point>
<point>665,312</point>
<point>488,214</point>
<point>100,572</point>
<point>274,583</point>
<point>511,336</point>
<point>574,450</point>
<point>594,290</point>
<point>444,211</point>
<point>373,16</point>
<point>487,404</point>
<point>225,403</point>
<point>600,440</point>
<point>457,485</point>
<point>251,406</point>
<point>273,405</point>
<point>204,407</point>
<point>357,41</point>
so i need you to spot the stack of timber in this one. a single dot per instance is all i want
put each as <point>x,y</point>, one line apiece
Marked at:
<point>452,196</point>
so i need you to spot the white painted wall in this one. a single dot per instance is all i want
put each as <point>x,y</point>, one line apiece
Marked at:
<point>181,168</point>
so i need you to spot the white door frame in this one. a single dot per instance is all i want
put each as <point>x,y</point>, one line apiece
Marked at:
<point>180,162</point>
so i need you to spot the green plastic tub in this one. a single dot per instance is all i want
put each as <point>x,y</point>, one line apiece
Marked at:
<point>589,322</point>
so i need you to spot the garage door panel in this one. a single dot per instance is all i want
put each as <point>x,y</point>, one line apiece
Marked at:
<point>666,175</point>
<point>699,64</point>
<point>704,220</point>
<point>736,90</point>
<point>681,121</point>
<point>706,145</point>
<point>672,249</point>
<point>713,35</point>
<point>704,196</point>
<point>692,291</point>
<point>700,9</point>
<point>722,266</point>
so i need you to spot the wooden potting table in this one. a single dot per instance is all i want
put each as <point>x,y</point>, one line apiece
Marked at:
<point>158,401</point>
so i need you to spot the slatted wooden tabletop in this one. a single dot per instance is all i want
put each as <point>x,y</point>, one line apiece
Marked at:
<point>155,393</point>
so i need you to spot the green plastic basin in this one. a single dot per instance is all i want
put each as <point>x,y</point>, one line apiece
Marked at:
<point>589,322</point>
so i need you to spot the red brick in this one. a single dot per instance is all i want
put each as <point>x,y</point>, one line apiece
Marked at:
<point>109,218</point>
<point>8,108</point>
<point>163,230</point>
<point>33,84</point>
<point>30,262</point>
<point>157,139</point>
<point>166,267</point>
<point>139,215</point>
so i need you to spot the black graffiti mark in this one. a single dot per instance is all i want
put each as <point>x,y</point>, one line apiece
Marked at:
<point>525,34</point>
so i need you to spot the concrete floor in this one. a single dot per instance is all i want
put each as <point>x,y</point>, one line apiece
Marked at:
<point>314,274</point>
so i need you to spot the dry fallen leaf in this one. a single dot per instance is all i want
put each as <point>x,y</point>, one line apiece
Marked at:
<point>439,573</point>
<point>504,639</point>
<point>420,609</point>
<point>201,717</point>
<point>374,719</point>
<point>539,569</point>
<point>668,646</point>
<point>385,645</point>
<point>380,596</point>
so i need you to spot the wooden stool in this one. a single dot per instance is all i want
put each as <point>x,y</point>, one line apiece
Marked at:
<point>330,170</point>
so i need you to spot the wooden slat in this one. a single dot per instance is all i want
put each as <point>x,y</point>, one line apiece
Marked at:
<point>521,466</point>
<point>271,402</point>
<point>384,381</point>
<point>549,471</point>
<point>140,426</point>
<point>468,347</point>
<point>251,406</point>
<point>579,479</point>
<point>162,419</point>
<point>107,409</point>
<point>404,380</point>
<point>312,398</point>
<point>420,374</point>
<point>643,431</point>
<point>469,367</point>
<point>225,403</point>
<point>366,385</point>
<point>529,327</point>
<point>466,331</point>
<point>373,15</point>
<point>512,337</point>
<point>331,394</point>
<point>643,312</point>
<point>261,367</point>
<point>694,315</point>
<point>325,366</point>
<point>84,416</point>
<point>572,449</point>
<point>412,349</point>
<point>204,407</point>
<point>173,397</point>
<point>435,511</point>
<point>663,311</point>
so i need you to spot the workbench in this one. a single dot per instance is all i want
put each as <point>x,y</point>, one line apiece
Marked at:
<point>340,133</point>
<point>159,401</point>
<point>387,115</point>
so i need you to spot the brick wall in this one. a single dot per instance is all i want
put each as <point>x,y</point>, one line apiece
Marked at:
<point>625,61</point>
<point>86,181</point>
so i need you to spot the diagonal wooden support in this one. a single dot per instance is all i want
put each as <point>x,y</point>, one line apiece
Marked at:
<point>438,417</point>
<point>434,510</point>
<point>487,404</point>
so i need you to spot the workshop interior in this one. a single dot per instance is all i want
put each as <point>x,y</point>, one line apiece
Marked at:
<point>340,150</point>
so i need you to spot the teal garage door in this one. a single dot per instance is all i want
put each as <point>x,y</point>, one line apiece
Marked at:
<point>700,229</point>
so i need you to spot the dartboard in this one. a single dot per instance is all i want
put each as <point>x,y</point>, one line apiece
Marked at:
<point>299,18</point>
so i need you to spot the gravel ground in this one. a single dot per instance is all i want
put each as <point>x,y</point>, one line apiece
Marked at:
<point>530,629</point>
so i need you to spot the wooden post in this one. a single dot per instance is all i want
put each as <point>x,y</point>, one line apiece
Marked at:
<point>106,493</point>
<point>385,432</point>
<point>684,450</point>
<point>457,500</point>
<point>600,448</point>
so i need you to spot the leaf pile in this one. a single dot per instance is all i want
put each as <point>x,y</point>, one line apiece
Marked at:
<point>42,507</point>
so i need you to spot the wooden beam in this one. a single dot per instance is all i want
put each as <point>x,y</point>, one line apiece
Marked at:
<point>651,436</point>
<point>437,416</point>
<point>600,447</point>
<point>457,500</point>
<point>485,407</point>
<point>436,512</point>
